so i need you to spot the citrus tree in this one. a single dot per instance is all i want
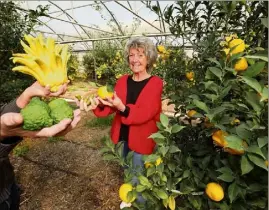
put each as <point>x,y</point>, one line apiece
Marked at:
<point>213,156</point>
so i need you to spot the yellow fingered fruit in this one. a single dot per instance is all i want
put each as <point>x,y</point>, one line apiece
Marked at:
<point>45,61</point>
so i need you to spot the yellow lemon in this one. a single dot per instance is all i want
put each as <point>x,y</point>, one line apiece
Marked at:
<point>191,113</point>
<point>235,122</point>
<point>266,163</point>
<point>148,165</point>
<point>240,45</point>
<point>190,75</point>
<point>158,161</point>
<point>123,191</point>
<point>241,65</point>
<point>214,191</point>
<point>161,48</point>
<point>103,93</point>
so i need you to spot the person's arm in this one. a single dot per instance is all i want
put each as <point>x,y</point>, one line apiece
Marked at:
<point>10,107</point>
<point>7,108</point>
<point>146,110</point>
<point>11,120</point>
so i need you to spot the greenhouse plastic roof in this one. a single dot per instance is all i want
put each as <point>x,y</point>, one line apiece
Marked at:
<point>72,21</point>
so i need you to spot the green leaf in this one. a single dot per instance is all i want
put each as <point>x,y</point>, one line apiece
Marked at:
<point>105,149</point>
<point>227,177</point>
<point>264,94</point>
<point>161,193</point>
<point>172,167</point>
<point>109,157</point>
<point>210,85</point>
<point>225,170</point>
<point>255,150</point>
<point>233,191</point>
<point>206,161</point>
<point>163,178</point>
<point>259,202</point>
<point>256,187</point>
<point>253,100</point>
<point>140,188</point>
<point>264,22</point>
<point>257,161</point>
<point>234,142</point>
<point>156,136</point>
<point>186,174</point>
<point>243,106</point>
<point>242,132</point>
<point>165,202</point>
<point>131,195</point>
<point>262,57</point>
<point>164,150</point>
<point>246,165</point>
<point>252,83</point>
<point>254,70</point>
<point>216,71</point>
<point>201,105</point>
<point>174,149</point>
<point>144,181</point>
<point>164,120</point>
<point>150,158</point>
<point>213,60</point>
<point>176,128</point>
<point>262,141</point>
<point>160,126</point>
<point>211,97</point>
<point>150,171</point>
<point>218,110</point>
<point>195,201</point>
<point>225,91</point>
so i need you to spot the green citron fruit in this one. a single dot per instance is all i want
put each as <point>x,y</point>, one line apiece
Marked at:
<point>36,115</point>
<point>60,109</point>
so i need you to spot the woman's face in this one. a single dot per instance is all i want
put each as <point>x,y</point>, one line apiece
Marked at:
<point>137,60</point>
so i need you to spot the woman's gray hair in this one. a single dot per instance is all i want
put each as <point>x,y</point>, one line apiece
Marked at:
<point>149,49</point>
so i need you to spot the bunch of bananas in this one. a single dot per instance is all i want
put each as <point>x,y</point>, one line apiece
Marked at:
<point>45,61</point>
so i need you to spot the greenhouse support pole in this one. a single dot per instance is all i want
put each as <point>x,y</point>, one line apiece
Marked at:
<point>94,62</point>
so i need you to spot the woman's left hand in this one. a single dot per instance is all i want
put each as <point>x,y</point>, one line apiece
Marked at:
<point>115,102</point>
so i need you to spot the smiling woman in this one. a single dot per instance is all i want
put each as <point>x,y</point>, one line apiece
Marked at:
<point>141,52</point>
<point>137,104</point>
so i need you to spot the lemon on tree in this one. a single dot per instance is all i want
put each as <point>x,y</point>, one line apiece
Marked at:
<point>148,164</point>
<point>241,65</point>
<point>158,161</point>
<point>123,192</point>
<point>190,75</point>
<point>237,46</point>
<point>219,139</point>
<point>191,113</point>
<point>214,191</point>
